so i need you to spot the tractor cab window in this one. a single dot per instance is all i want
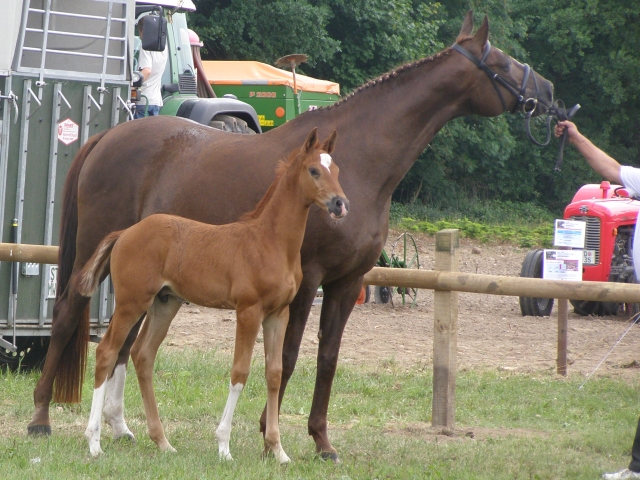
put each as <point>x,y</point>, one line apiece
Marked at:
<point>183,47</point>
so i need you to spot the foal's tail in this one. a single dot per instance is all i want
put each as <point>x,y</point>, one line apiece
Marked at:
<point>89,276</point>
<point>70,369</point>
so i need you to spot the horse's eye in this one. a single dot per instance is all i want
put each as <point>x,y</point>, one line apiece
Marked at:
<point>314,172</point>
<point>506,67</point>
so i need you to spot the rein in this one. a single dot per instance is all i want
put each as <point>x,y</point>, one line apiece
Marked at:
<point>529,105</point>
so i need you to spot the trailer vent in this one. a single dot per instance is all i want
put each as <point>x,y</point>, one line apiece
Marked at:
<point>188,84</point>
<point>592,240</point>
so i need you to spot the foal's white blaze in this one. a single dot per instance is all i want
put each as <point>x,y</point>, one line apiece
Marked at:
<point>92,433</point>
<point>325,160</point>
<point>114,403</point>
<point>223,433</point>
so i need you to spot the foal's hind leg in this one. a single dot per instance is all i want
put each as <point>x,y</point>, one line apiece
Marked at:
<point>143,354</point>
<point>114,395</point>
<point>247,328</point>
<point>124,318</point>
<point>274,327</point>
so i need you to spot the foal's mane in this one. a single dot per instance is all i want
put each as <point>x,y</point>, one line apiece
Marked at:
<point>281,169</point>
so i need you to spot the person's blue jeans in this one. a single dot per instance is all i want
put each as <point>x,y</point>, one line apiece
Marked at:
<point>151,111</point>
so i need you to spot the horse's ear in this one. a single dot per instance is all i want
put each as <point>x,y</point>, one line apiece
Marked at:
<point>311,141</point>
<point>482,35</point>
<point>467,25</point>
<point>329,144</point>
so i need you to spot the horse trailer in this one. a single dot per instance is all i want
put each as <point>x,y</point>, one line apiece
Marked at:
<point>67,68</point>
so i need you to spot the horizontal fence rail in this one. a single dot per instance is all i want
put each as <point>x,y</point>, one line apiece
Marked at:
<point>16,252</point>
<point>503,285</point>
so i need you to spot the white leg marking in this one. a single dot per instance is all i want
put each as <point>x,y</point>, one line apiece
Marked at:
<point>114,403</point>
<point>92,433</point>
<point>223,433</point>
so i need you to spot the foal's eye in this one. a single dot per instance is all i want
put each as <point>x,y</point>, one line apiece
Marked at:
<point>314,172</point>
<point>506,67</point>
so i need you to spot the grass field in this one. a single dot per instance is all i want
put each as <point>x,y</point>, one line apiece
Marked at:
<point>507,426</point>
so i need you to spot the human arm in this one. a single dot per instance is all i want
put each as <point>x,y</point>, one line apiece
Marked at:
<point>602,163</point>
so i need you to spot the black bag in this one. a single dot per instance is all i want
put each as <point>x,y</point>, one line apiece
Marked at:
<point>154,33</point>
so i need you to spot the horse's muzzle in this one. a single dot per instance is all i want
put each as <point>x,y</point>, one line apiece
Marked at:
<point>338,207</point>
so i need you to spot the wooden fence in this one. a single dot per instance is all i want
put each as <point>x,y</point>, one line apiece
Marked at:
<point>446,281</point>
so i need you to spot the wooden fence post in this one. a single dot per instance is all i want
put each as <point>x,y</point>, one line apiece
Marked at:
<point>563,320</point>
<point>445,333</point>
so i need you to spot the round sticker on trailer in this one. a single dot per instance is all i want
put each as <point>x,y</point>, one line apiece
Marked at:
<point>67,131</point>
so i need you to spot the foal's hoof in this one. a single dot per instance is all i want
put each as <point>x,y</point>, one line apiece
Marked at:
<point>333,456</point>
<point>39,429</point>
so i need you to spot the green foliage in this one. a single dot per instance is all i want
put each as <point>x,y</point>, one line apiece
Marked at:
<point>262,30</point>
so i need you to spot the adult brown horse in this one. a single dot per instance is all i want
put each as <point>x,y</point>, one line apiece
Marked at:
<point>169,165</point>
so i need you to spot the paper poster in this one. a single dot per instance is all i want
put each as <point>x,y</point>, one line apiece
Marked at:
<point>562,265</point>
<point>569,233</point>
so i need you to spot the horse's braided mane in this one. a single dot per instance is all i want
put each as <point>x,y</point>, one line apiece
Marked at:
<point>281,168</point>
<point>393,73</point>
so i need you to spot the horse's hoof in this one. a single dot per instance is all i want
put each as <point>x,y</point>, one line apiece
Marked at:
<point>333,456</point>
<point>126,437</point>
<point>39,429</point>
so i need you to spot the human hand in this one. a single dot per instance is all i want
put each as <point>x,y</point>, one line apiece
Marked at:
<point>568,127</point>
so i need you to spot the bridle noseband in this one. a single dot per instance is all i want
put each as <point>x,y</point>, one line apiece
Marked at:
<point>495,78</point>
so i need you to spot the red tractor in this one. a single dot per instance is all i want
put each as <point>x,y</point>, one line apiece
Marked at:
<point>610,216</point>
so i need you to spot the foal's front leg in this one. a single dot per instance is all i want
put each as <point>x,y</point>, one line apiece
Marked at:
<point>247,327</point>
<point>274,327</point>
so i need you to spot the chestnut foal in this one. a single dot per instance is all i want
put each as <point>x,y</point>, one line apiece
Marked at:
<point>252,265</point>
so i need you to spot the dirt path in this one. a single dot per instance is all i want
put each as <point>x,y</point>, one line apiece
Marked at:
<point>492,332</point>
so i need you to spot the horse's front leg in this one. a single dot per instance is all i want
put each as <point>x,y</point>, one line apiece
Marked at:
<point>298,315</point>
<point>338,301</point>
<point>247,328</point>
<point>274,327</point>
<point>113,410</point>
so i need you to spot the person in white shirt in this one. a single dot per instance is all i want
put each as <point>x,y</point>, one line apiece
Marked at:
<point>151,65</point>
<point>628,176</point>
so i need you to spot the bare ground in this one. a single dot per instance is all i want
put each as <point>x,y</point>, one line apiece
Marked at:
<point>492,333</point>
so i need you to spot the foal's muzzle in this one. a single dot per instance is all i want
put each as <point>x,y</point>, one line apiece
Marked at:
<point>338,207</point>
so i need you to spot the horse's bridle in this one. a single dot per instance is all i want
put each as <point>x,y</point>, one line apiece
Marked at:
<point>529,105</point>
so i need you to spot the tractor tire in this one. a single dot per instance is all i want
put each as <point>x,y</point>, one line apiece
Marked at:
<point>532,268</point>
<point>30,355</point>
<point>605,309</point>
<point>232,124</point>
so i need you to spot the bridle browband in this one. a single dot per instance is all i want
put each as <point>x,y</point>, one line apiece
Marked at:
<point>496,79</point>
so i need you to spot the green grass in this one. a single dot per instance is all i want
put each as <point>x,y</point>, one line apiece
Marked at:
<point>524,224</point>
<point>524,426</point>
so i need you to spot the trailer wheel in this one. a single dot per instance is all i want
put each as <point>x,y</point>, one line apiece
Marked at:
<point>532,268</point>
<point>30,355</point>
<point>232,124</point>
<point>382,294</point>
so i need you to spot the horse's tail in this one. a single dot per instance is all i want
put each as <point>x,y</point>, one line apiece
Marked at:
<point>89,276</point>
<point>70,371</point>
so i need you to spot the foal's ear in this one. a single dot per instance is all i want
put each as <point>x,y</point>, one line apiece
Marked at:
<point>329,144</point>
<point>482,35</point>
<point>311,141</point>
<point>467,25</point>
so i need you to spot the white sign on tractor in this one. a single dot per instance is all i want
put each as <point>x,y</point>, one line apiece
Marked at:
<point>67,131</point>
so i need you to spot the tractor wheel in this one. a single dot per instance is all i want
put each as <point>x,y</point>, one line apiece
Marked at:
<point>30,355</point>
<point>532,268</point>
<point>604,309</point>
<point>365,295</point>
<point>230,124</point>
